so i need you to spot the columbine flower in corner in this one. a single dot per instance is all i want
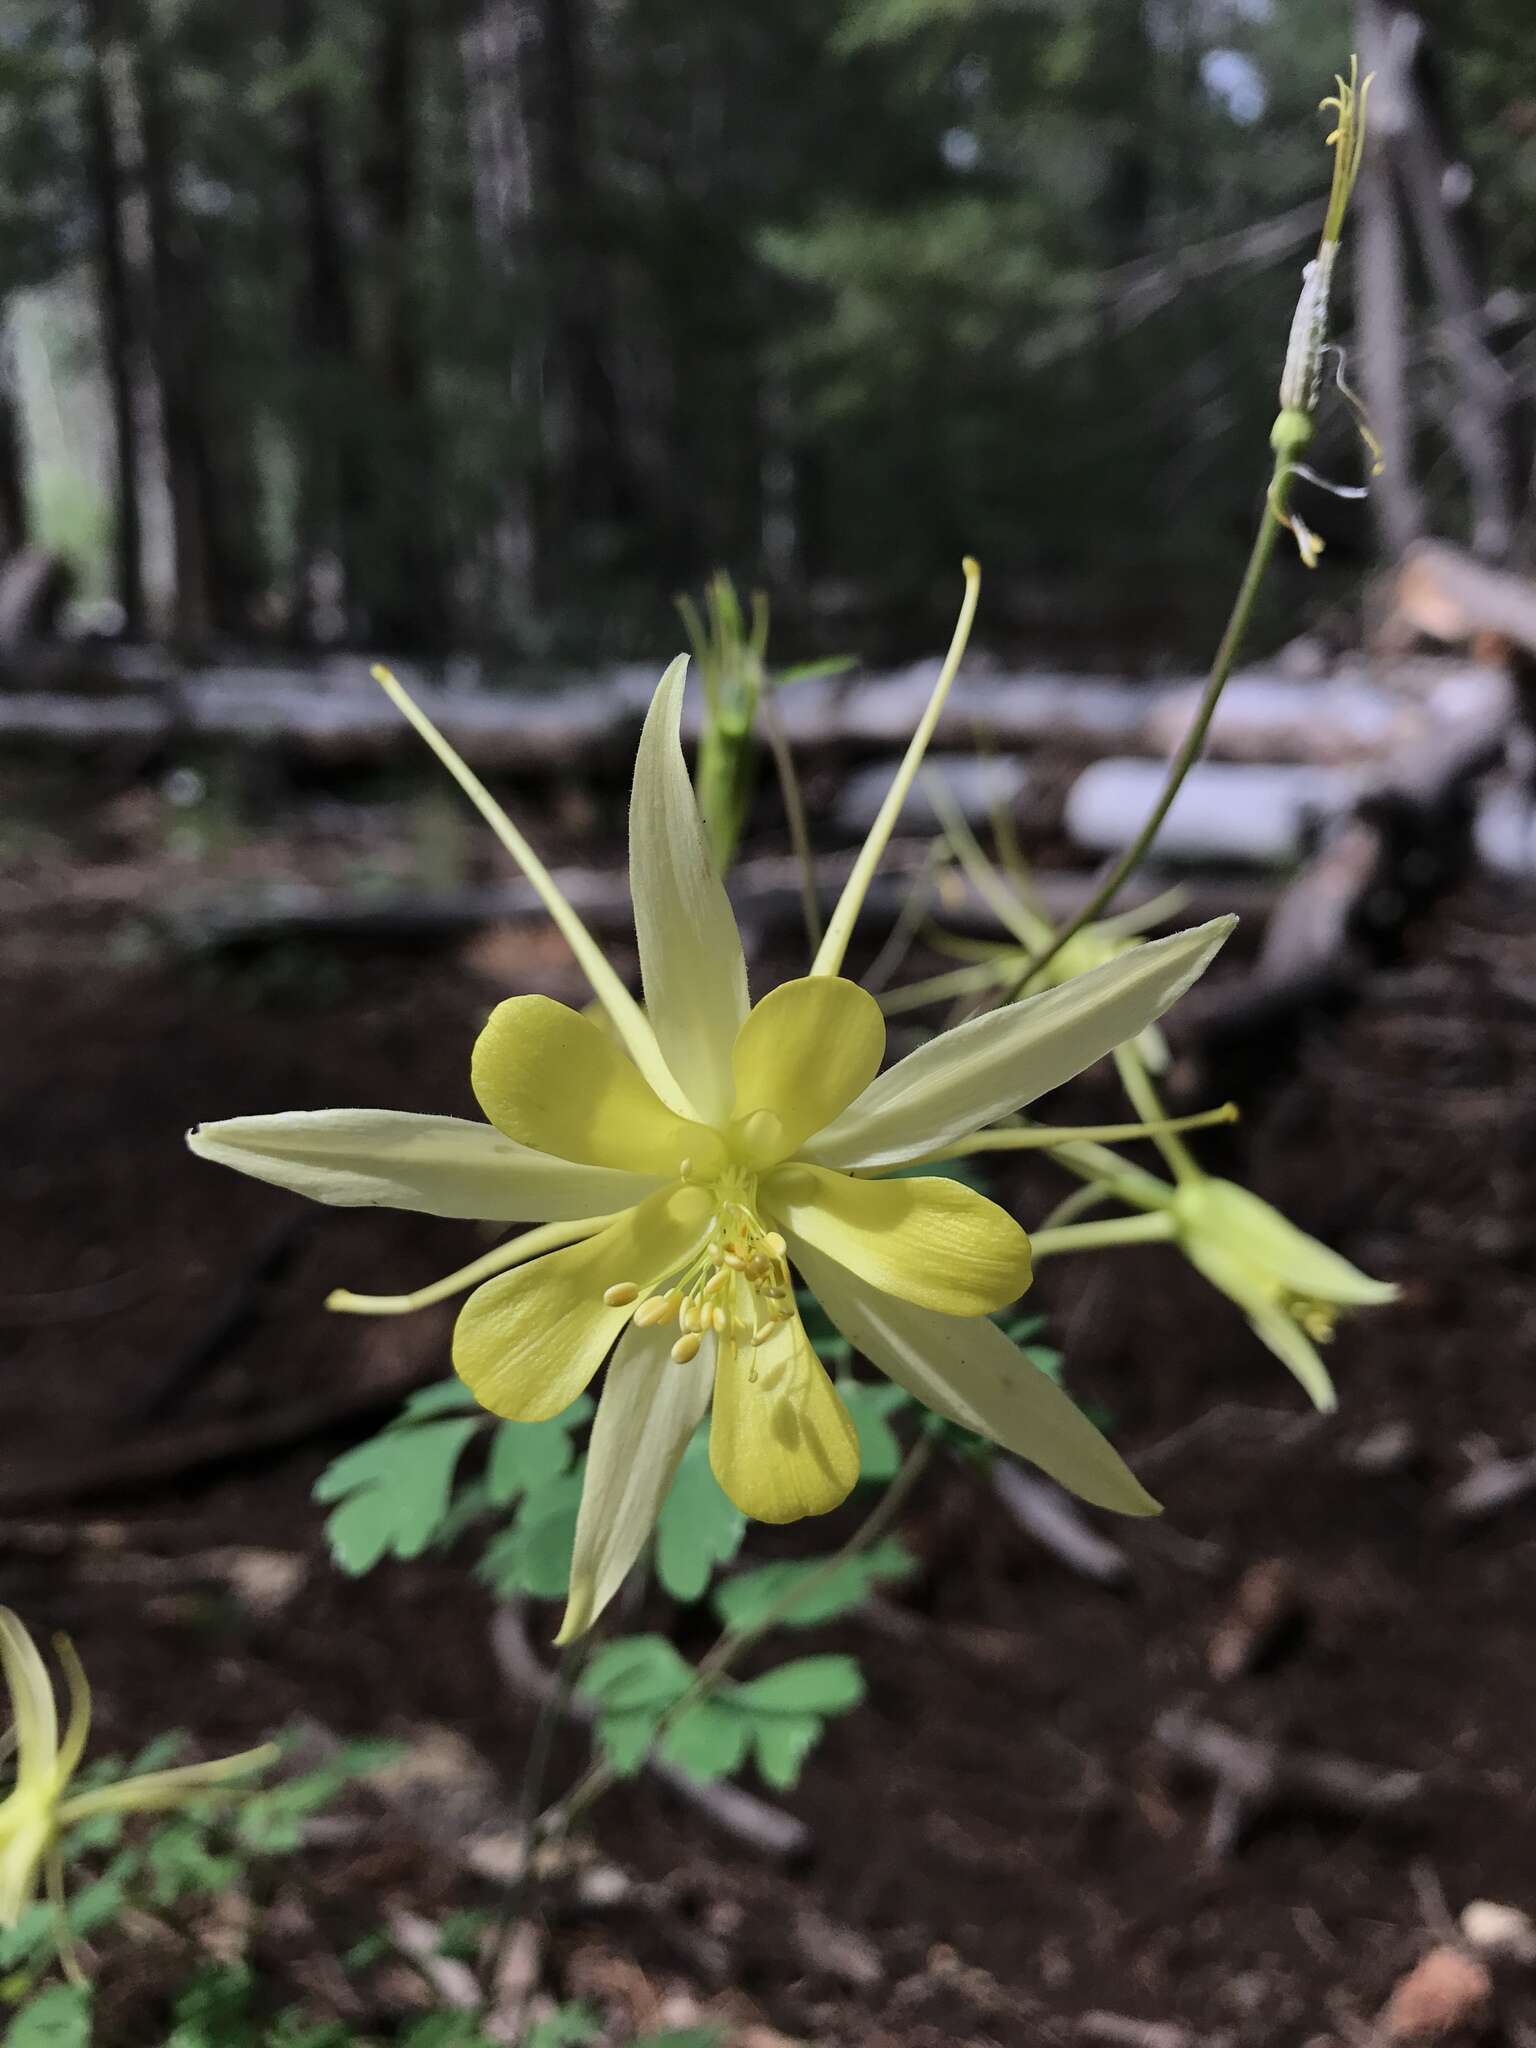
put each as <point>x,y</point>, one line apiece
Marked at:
<point>1291,1288</point>
<point>686,1162</point>
<point>40,1807</point>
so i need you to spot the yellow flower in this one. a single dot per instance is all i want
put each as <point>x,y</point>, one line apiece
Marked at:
<point>39,1807</point>
<point>1290,1287</point>
<point>686,1161</point>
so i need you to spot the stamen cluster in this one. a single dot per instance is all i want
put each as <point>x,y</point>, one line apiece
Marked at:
<point>737,1287</point>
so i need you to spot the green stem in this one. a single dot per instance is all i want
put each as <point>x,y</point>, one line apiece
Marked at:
<point>1193,741</point>
<point>1092,1237</point>
<point>772,728</point>
<point>715,1666</point>
<point>1137,1083</point>
<point>523,1888</point>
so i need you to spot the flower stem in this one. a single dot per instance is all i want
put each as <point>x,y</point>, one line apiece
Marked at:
<point>523,1889</point>
<point>1194,740</point>
<point>716,1664</point>
<point>1092,1237</point>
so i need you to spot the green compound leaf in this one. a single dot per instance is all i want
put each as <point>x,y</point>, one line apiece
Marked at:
<point>632,1682</point>
<point>777,1718</point>
<point>59,2017</point>
<point>829,1590</point>
<point>445,1397</point>
<point>534,1555</point>
<point>635,1673</point>
<point>394,1492</point>
<point>783,1744</point>
<point>871,1403</point>
<point>698,1528</point>
<point>526,1456</point>
<point>708,1740</point>
<point>811,1685</point>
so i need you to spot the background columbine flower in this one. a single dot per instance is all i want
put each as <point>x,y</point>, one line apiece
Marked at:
<point>1291,1288</point>
<point>686,1161</point>
<point>39,1807</point>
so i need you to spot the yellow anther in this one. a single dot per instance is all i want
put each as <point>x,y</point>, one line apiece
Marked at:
<point>621,1294</point>
<point>715,1281</point>
<point>661,1308</point>
<point>686,1349</point>
<point>774,1245</point>
<point>720,1318</point>
<point>685,1169</point>
<point>735,1261</point>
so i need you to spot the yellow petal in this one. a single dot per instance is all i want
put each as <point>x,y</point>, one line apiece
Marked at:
<point>929,1240</point>
<point>782,1445</point>
<point>548,1077</point>
<point>690,950</point>
<point>527,1342</point>
<point>807,1050</point>
<point>649,1407</point>
<point>966,1369</point>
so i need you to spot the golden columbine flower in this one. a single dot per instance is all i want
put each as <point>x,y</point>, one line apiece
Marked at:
<point>685,1161</point>
<point>1291,1288</point>
<point>38,1809</point>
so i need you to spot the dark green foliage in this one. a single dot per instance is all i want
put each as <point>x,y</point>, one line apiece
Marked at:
<point>494,326</point>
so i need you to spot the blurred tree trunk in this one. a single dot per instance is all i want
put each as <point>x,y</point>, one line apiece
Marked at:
<point>173,326</point>
<point>407,598</point>
<point>112,277</point>
<point>14,532</point>
<point>494,50</point>
<point>1383,322</point>
<point>332,483</point>
<point>589,479</point>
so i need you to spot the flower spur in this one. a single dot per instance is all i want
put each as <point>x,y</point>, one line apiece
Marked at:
<point>683,1160</point>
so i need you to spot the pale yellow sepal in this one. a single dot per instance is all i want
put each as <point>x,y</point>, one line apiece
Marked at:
<point>649,1408</point>
<point>965,1369</point>
<point>691,961</point>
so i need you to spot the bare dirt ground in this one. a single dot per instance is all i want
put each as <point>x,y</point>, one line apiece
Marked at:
<point>1001,1843</point>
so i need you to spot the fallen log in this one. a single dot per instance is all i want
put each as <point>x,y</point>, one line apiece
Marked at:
<point>1381,864</point>
<point>332,715</point>
<point>765,890</point>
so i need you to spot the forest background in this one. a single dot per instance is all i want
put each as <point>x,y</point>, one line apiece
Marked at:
<point>487,326</point>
